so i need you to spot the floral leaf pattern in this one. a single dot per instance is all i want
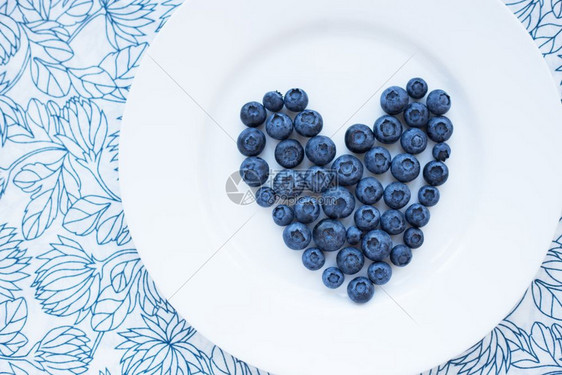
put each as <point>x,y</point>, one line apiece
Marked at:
<point>62,219</point>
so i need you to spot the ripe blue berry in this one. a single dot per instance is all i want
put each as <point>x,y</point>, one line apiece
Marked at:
<point>338,202</point>
<point>428,195</point>
<point>401,255</point>
<point>348,169</point>
<point>252,114</point>
<point>289,153</point>
<point>350,260</point>
<point>360,290</point>
<point>393,222</point>
<point>279,126</point>
<point>377,160</point>
<point>369,190</point>
<point>413,141</point>
<point>320,150</point>
<point>367,217</point>
<point>297,236</point>
<point>387,129</point>
<point>265,196</point>
<point>417,215</point>
<point>254,171</point>
<point>273,101</point>
<point>417,88</point>
<point>379,272</point>
<point>313,258</point>
<point>359,138</point>
<point>435,173</point>
<point>438,102</point>
<point>318,180</point>
<point>376,245</point>
<point>308,123</point>
<point>439,129</point>
<point>413,238</point>
<point>307,209</point>
<point>283,215</point>
<point>329,235</point>
<point>405,167</point>
<point>394,100</point>
<point>416,115</point>
<point>396,195</point>
<point>296,100</point>
<point>333,277</point>
<point>354,235</point>
<point>441,151</point>
<point>288,184</point>
<point>251,142</point>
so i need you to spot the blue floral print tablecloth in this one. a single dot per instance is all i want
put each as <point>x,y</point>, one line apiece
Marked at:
<point>74,295</point>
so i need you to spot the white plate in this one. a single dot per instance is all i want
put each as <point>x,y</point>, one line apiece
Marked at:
<point>250,294</point>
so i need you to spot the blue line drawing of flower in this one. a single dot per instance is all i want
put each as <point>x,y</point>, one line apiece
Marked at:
<point>162,347</point>
<point>12,263</point>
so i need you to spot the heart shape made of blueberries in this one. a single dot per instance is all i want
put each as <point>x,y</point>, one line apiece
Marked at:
<point>313,204</point>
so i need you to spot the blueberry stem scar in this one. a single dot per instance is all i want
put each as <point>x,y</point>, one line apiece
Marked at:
<point>400,306</point>
<point>193,99</point>
<point>375,93</point>
<point>212,256</point>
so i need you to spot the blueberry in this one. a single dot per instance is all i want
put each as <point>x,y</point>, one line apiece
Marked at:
<point>251,142</point>
<point>413,141</point>
<point>413,238</point>
<point>416,115</point>
<point>438,102</point>
<point>348,170</point>
<point>332,277</point>
<point>265,196</point>
<point>394,100</point>
<point>289,153</point>
<point>369,190</point>
<point>254,171</point>
<point>297,236</point>
<point>318,180</point>
<point>387,129</point>
<point>338,202</point>
<point>283,215</point>
<point>252,114</point>
<point>401,255</point>
<point>405,167</point>
<point>360,290</point>
<point>354,235</point>
<point>296,100</point>
<point>320,150</point>
<point>273,101</point>
<point>350,260</point>
<point>441,151</point>
<point>417,88</point>
<point>279,126</point>
<point>313,259</point>
<point>377,160</point>
<point>439,129</point>
<point>379,273</point>
<point>329,235</point>
<point>417,215</point>
<point>428,195</point>
<point>376,245</point>
<point>359,138</point>
<point>307,209</point>
<point>393,222</point>
<point>435,173</point>
<point>308,123</point>
<point>367,217</point>
<point>288,184</point>
<point>396,195</point>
